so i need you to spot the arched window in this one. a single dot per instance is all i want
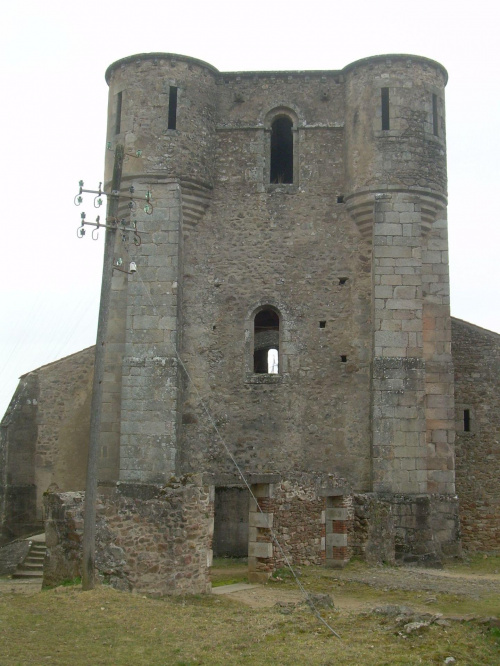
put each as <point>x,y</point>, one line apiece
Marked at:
<point>282,150</point>
<point>266,342</point>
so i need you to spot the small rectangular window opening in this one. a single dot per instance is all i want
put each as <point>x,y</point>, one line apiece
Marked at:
<point>385,108</point>
<point>118,120</point>
<point>466,420</point>
<point>340,198</point>
<point>322,324</point>
<point>343,358</point>
<point>435,114</point>
<point>342,280</point>
<point>172,108</point>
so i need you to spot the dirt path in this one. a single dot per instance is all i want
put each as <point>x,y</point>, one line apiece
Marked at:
<point>15,586</point>
<point>430,580</point>
<point>265,596</point>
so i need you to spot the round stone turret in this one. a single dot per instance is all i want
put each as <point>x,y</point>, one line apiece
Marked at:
<point>394,128</point>
<point>162,108</point>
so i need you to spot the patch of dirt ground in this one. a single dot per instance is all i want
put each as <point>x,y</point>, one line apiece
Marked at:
<point>433,581</point>
<point>18,586</point>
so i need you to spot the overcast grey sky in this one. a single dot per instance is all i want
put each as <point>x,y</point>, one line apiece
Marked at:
<point>53,58</point>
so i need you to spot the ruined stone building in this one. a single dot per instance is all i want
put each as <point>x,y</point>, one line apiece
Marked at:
<point>291,301</point>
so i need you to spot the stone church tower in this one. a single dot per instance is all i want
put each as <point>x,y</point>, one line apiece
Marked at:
<point>289,313</point>
<point>296,265</point>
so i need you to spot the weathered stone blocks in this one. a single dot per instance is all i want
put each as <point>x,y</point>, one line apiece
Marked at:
<point>154,539</point>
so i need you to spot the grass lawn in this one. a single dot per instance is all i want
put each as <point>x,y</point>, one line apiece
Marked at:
<point>69,627</point>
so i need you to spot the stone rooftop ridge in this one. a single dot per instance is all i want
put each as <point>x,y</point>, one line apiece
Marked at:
<point>155,56</point>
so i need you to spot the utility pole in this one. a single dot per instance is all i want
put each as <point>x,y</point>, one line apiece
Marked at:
<point>112,224</point>
<point>89,521</point>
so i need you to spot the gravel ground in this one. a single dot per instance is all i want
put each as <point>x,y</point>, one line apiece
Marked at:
<point>431,580</point>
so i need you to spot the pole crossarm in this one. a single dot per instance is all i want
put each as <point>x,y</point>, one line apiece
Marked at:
<point>110,223</point>
<point>131,196</point>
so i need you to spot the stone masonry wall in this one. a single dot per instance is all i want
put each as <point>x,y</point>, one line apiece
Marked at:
<point>299,524</point>
<point>153,539</point>
<point>18,435</point>
<point>419,529</point>
<point>372,533</point>
<point>261,244</point>
<point>427,528</point>
<point>298,513</point>
<point>476,355</point>
<point>45,434</point>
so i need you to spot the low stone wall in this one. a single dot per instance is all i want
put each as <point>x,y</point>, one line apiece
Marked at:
<point>149,539</point>
<point>412,529</point>
<point>372,534</point>
<point>315,526</point>
<point>427,528</point>
<point>63,537</point>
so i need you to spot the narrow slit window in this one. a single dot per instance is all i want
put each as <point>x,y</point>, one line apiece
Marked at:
<point>282,151</point>
<point>343,358</point>
<point>435,128</point>
<point>266,342</point>
<point>466,420</point>
<point>172,108</point>
<point>385,108</point>
<point>322,324</point>
<point>118,120</point>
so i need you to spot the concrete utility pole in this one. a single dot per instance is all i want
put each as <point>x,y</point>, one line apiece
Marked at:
<point>89,523</point>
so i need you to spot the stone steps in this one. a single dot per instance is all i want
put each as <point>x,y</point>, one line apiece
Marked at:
<point>32,565</point>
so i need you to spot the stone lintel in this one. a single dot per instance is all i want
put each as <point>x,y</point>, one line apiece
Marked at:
<point>261,549</point>
<point>261,490</point>
<point>336,540</point>
<point>330,491</point>
<point>226,480</point>
<point>143,491</point>
<point>336,513</point>
<point>262,520</point>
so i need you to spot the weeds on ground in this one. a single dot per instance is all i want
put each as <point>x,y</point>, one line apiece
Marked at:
<point>477,563</point>
<point>107,627</point>
<point>67,582</point>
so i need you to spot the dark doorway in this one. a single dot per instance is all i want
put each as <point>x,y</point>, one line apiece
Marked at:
<point>231,522</point>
